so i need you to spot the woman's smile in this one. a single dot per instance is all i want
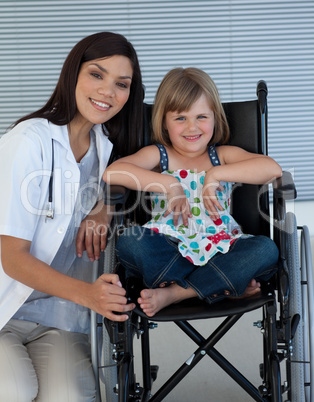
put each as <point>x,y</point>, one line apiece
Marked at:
<point>103,88</point>
<point>100,105</point>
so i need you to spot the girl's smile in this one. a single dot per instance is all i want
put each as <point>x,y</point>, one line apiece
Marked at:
<point>195,138</point>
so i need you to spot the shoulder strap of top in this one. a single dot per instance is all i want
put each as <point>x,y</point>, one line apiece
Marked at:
<point>164,163</point>
<point>163,157</point>
<point>213,155</point>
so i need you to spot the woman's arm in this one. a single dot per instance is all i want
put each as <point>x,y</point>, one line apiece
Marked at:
<point>237,166</point>
<point>104,296</point>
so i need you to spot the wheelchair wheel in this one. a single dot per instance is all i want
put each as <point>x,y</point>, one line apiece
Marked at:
<point>128,389</point>
<point>295,367</point>
<point>276,379</point>
<point>270,369</point>
<point>308,313</point>
<point>108,373</point>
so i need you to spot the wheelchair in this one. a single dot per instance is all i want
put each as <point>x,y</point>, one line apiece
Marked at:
<point>284,303</point>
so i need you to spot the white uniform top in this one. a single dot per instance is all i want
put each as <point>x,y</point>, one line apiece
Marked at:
<point>25,168</point>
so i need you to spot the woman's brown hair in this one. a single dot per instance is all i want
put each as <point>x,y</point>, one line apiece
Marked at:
<point>125,128</point>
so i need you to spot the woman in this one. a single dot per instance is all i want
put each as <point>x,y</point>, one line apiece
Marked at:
<point>47,222</point>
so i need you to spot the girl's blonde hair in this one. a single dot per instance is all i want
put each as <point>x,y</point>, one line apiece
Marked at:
<point>179,89</point>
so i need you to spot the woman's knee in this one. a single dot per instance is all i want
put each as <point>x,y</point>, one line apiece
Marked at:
<point>62,360</point>
<point>18,379</point>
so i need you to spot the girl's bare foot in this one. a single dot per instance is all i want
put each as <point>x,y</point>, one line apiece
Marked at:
<point>153,300</point>
<point>252,289</point>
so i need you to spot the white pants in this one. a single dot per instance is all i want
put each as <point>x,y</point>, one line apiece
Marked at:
<point>44,364</point>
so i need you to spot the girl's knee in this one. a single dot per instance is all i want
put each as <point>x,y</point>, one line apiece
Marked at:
<point>127,236</point>
<point>131,237</point>
<point>267,258</point>
<point>268,249</point>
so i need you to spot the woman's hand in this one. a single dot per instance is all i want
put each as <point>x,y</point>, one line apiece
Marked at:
<point>178,204</point>
<point>107,297</point>
<point>93,232</point>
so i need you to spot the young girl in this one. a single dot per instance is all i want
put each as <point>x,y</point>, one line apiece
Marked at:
<point>45,280</point>
<point>192,247</point>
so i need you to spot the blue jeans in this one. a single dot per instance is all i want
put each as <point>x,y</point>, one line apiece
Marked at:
<point>155,258</point>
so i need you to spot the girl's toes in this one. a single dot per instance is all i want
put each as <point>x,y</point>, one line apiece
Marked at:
<point>146,293</point>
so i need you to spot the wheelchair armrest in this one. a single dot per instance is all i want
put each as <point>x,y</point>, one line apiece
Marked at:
<point>283,190</point>
<point>284,187</point>
<point>114,195</point>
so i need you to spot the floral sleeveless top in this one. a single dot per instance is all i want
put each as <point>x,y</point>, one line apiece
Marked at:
<point>203,237</point>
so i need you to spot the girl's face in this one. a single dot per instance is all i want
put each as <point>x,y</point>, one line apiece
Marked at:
<point>103,88</point>
<point>191,130</point>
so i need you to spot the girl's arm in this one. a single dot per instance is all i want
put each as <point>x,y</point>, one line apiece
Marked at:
<point>136,173</point>
<point>104,296</point>
<point>237,166</point>
<point>240,166</point>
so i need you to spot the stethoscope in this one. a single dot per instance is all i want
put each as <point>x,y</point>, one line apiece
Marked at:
<point>50,211</point>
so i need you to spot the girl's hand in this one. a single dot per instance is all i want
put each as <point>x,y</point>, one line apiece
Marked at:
<point>211,203</point>
<point>178,204</point>
<point>93,231</point>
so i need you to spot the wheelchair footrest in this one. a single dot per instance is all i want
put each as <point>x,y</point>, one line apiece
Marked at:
<point>153,372</point>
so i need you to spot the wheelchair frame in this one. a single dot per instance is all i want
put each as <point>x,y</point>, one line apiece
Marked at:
<point>286,324</point>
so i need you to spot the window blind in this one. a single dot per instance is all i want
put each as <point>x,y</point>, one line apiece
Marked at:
<point>237,42</point>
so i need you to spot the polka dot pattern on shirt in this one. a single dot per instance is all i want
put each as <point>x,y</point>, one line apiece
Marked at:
<point>203,237</point>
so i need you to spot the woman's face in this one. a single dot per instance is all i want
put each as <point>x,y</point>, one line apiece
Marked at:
<point>103,88</point>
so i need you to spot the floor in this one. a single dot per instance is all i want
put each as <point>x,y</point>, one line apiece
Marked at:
<point>170,348</point>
